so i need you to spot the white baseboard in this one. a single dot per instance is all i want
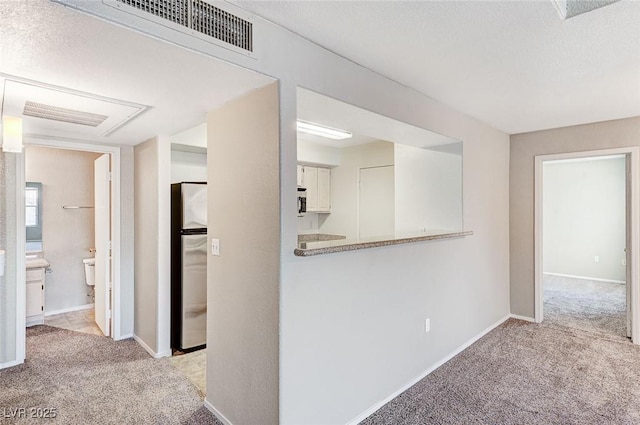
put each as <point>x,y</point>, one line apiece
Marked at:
<point>127,336</point>
<point>149,350</point>
<point>167,353</point>
<point>35,322</point>
<point>362,416</point>
<point>597,279</point>
<point>10,364</point>
<point>525,318</point>
<point>217,413</point>
<point>68,310</point>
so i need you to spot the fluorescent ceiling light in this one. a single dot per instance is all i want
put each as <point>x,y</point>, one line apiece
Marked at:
<point>570,8</point>
<point>11,134</point>
<point>322,130</point>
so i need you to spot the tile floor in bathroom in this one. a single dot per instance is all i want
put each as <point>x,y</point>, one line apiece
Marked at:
<point>79,321</point>
<point>194,366</point>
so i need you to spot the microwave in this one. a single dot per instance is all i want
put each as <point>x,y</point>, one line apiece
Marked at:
<point>302,200</point>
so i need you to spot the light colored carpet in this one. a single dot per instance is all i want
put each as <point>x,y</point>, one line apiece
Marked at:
<point>94,380</point>
<point>526,373</point>
<point>585,304</point>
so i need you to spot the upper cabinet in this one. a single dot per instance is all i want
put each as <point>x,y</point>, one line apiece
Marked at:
<point>300,176</point>
<point>317,181</point>
<point>311,183</point>
<point>324,190</point>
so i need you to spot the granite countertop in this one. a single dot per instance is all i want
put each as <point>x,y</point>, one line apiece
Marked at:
<point>37,263</point>
<point>319,247</point>
<point>319,237</point>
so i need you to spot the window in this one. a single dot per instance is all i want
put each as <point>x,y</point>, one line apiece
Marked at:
<point>32,218</point>
<point>33,213</point>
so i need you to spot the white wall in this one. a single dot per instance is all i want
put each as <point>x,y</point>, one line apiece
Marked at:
<point>188,167</point>
<point>584,217</point>
<point>8,286</point>
<point>152,246</point>
<point>428,190</point>
<point>67,235</point>
<point>343,219</point>
<point>195,136</point>
<point>339,307</point>
<point>314,153</point>
<point>243,281</point>
<point>308,223</point>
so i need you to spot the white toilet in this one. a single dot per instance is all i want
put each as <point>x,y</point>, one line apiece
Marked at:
<point>90,271</point>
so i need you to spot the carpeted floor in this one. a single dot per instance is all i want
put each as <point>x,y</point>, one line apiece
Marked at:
<point>568,370</point>
<point>526,373</point>
<point>586,304</point>
<point>90,379</point>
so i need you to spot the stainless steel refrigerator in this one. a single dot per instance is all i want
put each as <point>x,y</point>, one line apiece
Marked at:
<point>188,266</point>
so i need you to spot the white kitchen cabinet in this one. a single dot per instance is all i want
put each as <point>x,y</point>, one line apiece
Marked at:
<point>324,189</point>
<point>35,296</point>
<point>317,181</point>
<point>311,183</point>
<point>300,176</point>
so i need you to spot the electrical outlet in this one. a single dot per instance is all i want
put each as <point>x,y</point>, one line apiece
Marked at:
<point>427,325</point>
<point>215,246</point>
<point>596,259</point>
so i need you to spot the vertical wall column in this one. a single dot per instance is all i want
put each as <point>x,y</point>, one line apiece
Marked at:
<point>11,343</point>
<point>243,281</point>
<point>152,309</point>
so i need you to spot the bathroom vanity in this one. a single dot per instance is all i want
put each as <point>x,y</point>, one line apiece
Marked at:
<point>35,291</point>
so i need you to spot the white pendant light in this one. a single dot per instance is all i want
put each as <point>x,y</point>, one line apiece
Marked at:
<point>322,130</point>
<point>11,134</point>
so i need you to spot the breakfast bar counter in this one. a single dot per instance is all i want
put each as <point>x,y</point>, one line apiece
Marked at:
<point>311,247</point>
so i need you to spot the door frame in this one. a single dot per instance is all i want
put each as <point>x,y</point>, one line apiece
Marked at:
<point>76,145</point>
<point>633,155</point>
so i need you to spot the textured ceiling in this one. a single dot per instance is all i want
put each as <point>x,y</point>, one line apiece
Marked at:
<point>54,45</point>
<point>515,65</point>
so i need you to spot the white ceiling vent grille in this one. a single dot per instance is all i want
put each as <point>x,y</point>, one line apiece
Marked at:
<point>222,25</point>
<point>201,17</point>
<point>55,113</point>
<point>174,10</point>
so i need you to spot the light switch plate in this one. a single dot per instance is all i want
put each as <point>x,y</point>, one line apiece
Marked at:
<point>215,246</point>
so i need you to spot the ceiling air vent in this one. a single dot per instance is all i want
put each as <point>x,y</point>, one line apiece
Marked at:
<point>224,26</point>
<point>201,17</point>
<point>55,113</point>
<point>174,10</point>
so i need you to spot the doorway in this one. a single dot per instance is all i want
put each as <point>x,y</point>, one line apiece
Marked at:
<point>586,229</point>
<point>94,220</point>
<point>67,258</point>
